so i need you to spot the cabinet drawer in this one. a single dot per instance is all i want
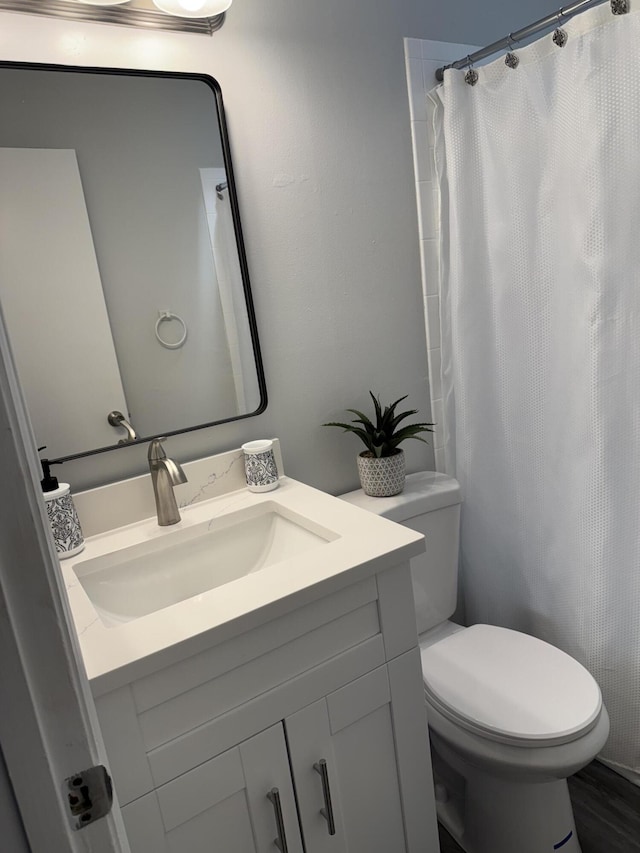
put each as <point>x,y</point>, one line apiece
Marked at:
<point>186,712</point>
<point>219,733</point>
<point>188,673</point>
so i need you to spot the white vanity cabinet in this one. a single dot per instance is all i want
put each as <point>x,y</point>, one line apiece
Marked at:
<point>358,806</point>
<point>323,704</point>
<point>239,802</point>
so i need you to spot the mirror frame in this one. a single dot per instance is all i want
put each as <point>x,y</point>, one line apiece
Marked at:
<point>213,84</point>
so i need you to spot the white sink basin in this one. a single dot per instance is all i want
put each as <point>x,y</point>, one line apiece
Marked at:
<point>182,563</point>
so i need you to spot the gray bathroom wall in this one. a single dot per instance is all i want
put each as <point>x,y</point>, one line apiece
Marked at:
<point>316,101</point>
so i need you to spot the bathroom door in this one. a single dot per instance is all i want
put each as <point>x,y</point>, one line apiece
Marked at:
<point>48,726</point>
<point>53,303</point>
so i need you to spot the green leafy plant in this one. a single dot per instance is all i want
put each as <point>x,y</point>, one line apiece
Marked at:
<point>383,437</point>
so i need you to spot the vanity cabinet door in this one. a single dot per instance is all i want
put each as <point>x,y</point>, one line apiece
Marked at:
<point>351,730</point>
<point>239,802</point>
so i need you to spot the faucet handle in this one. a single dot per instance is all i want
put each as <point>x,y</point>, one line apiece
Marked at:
<point>158,458</point>
<point>156,450</point>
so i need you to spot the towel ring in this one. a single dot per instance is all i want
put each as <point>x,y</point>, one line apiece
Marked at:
<point>166,316</point>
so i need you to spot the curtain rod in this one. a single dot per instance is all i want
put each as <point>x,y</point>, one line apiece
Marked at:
<point>618,7</point>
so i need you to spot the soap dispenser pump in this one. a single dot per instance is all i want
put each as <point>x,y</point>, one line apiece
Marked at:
<point>61,512</point>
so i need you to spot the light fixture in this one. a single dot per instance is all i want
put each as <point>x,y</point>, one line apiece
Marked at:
<point>102,2</point>
<point>188,16</point>
<point>193,8</point>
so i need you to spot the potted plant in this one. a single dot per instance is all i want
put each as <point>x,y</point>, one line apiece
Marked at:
<point>381,466</point>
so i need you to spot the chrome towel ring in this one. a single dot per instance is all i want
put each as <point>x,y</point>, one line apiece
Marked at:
<point>166,316</point>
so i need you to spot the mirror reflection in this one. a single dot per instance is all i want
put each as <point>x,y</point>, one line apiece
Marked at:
<point>122,272</point>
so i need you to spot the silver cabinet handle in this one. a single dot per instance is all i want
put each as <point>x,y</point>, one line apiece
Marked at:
<point>281,840</point>
<point>327,812</point>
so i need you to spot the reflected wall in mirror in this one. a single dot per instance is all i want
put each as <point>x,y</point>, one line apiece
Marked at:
<point>123,278</point>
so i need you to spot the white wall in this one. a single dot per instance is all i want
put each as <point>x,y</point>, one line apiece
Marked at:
<point>316,100</point>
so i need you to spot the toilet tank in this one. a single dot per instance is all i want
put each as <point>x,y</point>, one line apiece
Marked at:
<point>430,504</point>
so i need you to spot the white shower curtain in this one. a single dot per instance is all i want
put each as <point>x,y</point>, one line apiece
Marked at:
<point>539,170</point>
<point>230,287</point>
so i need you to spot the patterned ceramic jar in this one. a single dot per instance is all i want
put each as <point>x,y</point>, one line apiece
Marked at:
<point>260,466</point>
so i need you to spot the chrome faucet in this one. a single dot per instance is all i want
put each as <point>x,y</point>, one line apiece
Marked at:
<point>165,474</point>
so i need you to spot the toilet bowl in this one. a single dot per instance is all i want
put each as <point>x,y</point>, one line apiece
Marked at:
<point>510,716</point>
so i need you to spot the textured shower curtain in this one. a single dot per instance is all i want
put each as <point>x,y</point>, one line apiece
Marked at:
<point>539,170</point>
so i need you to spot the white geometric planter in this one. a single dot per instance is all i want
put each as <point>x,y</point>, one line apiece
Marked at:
<point>382,477</point>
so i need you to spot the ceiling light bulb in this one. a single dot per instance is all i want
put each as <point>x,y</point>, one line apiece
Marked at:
<point>102,2</point>
<point>193,8</point>
<point>191,5</point>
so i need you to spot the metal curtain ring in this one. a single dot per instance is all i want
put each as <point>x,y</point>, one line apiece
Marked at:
<point>166,316</point>
<point>619,7</point>
<point>471,77</point>
<point>560,36</point>
<point>511,60</point>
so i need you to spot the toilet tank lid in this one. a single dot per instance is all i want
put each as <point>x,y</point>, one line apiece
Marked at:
<point>423,492</point>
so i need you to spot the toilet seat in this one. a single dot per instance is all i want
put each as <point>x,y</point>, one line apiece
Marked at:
<point>509,687</point>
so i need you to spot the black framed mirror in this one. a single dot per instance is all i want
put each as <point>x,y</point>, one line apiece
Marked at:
<point>123,275</point>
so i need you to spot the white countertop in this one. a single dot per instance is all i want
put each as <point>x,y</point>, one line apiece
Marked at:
<point>113,656</point>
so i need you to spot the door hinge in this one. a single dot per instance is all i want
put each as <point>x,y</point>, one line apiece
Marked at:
<point>89,796</point>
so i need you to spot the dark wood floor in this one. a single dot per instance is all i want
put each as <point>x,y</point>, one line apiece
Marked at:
<point>606,809</point>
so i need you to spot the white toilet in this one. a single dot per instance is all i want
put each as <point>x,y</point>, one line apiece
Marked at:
<point>510,716</point>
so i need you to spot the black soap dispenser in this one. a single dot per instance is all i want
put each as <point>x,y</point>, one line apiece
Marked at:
<point>61,512</point>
